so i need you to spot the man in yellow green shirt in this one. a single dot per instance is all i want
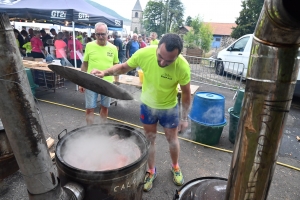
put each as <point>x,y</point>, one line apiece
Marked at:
<point>79,37</point>
<point>154,40</point>
<point>164,68</point>
<point>101,55</point>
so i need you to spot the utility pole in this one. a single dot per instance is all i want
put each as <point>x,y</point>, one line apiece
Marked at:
<point>167,13</point>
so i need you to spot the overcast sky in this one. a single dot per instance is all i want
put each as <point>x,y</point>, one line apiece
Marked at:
<point>211,10</point>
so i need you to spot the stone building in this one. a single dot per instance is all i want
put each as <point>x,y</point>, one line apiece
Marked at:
<point>136,18</point>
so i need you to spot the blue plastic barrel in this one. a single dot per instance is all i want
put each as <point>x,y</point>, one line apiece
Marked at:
<point>208,109</point>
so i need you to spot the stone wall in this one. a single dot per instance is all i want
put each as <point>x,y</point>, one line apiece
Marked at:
<point>226,41</point>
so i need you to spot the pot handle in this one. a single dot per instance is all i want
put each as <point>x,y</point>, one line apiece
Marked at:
<point>59,137</point>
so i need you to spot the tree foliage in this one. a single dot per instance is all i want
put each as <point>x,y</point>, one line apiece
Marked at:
<point>206,36</point>
<point>162,16</point>
<point>188,21</point>
<point>153,17</point>
<point>175,14</point>
<point>247,20</point>
<point>200,36</point>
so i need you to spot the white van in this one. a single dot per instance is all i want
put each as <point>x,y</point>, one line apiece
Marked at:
<point>234,59</point>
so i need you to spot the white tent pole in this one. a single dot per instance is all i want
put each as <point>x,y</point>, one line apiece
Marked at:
<point>74,49</point>
<point>74,46</point>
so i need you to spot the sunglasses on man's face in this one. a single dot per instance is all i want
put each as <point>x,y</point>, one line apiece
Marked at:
<point>100,34</point>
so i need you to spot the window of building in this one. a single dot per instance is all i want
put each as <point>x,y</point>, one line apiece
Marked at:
<point>218,39</point>
<point>136,14</point>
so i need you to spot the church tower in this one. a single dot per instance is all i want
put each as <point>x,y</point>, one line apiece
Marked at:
<point>136,18</point>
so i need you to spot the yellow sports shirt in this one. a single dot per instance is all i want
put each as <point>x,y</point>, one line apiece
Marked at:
<point>101,57</point>
<point>159,89</point>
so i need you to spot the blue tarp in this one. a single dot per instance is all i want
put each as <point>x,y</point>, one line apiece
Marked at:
<point>57,12</point>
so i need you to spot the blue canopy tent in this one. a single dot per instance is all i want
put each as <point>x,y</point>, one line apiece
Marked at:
<point>58,12</point>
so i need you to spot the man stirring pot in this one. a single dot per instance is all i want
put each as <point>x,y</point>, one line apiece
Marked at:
<point>164,68</point>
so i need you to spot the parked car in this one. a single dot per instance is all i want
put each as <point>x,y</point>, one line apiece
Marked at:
<point>234,59</point>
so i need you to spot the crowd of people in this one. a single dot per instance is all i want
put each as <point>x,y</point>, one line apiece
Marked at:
<point>39,44</point>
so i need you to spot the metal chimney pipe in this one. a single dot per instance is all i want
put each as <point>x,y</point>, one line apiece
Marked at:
<point>20,118</point>
<point>271,78</point>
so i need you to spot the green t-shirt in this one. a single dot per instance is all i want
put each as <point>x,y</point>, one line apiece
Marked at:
<point>159,89</point>
<point>27,46</point>
<point>154,42</point>
<point>101,57</point>
<point>80,38</point>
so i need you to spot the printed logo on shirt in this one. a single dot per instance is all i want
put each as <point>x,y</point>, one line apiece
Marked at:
<point>167,76</point>
<point>110,54</point>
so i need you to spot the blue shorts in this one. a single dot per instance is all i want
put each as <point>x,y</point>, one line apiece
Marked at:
<point>168,118</point>
<point>91,99</point>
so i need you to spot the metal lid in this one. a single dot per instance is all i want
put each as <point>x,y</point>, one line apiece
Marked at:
<point>91,82</point>
<point>210,95</point>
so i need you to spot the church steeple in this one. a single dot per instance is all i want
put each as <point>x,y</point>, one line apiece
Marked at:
<point>137,6</point>
<point>137,17</point>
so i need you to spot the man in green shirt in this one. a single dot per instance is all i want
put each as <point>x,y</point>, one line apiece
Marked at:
<point>101,55</point>
<point>164,68</point>
<point>154,40</point>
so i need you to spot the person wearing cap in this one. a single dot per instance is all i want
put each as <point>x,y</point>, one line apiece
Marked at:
<point>164,68</point>
<point>99,55</point>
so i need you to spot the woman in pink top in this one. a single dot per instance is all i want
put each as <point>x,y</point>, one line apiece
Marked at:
<point>37,45</point>
<point>78,47</point>
<point>60,48</point>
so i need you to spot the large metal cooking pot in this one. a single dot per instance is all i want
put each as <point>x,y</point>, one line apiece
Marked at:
<point>8,163</point>
<point>204,188</point>
<point>122,183</point>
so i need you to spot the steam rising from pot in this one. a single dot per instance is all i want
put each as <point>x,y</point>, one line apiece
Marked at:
<point>97,151</point>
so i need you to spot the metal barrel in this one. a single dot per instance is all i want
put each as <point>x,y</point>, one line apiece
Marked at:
<point>121,183</point>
